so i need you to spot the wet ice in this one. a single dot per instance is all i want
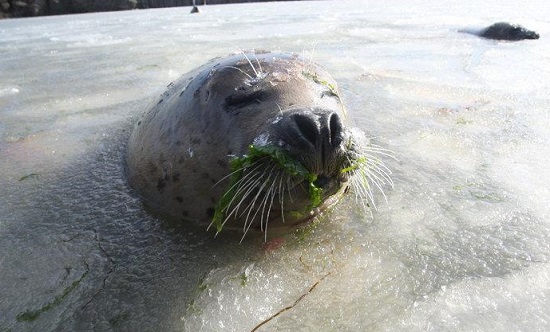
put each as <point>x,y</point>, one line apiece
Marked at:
<point>462,243</point>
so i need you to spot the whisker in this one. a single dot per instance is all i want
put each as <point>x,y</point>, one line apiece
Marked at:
<point>247,188</point>
<point>258,62</point>
<point>266,197</point>
<point>245,182</point>
<point>272,192</point>
<point>365,189</point>
<point>281,197</point>
<point>251,182</point>
<point>251,65</point>
<point>236,171</point>
<point>375,180</point>
<point>253,203</point>
<point>379,150</point>
<point>242,71</point>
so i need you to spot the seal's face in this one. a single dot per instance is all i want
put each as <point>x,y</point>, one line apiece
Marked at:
<point>250,140</point>
<point>292,168</point>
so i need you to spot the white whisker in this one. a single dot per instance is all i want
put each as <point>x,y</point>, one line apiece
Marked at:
<point>242,71</point>
<point>281,197</point>
<point>370,172</point>
<point>272,193</point>
<point>258,62</point>
<point>253,202</point>
<point>236,171</point>
<point>251,65</point>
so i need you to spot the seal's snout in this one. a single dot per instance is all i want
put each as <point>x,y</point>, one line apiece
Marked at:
<point>319,130</point>
<point>314,137</point>
<point>312,132</point>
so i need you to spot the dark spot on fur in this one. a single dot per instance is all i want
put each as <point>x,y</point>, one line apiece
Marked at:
<point>222,163</point>
<point>176,177</point>
<point>179,199</point>
<point>214,181</point>
<point>181,160</point>
<point>207,95</point>
<point>194,170</point>
<point>139,123</point>
<point>205,175</point>
<point>213,199</point>
<point>210,212</point>
<point>197,93</point>
<point>152,167</point>
<point>161,184</point>
<point>181,93</point>
<point>196,140</point>
<point>229,152</point>
<point>160,101</point>
<point>185,213</point>
<point>178,143</point>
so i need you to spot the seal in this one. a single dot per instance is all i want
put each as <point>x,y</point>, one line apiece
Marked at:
<point>505,31</point>
<point>249,140</point>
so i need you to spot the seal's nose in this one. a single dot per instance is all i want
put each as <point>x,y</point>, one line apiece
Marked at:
<point>316,128</point>
<point>321,130</point>
<point>313,136</point>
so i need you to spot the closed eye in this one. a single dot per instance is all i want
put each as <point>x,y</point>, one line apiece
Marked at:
<point>235,103</point>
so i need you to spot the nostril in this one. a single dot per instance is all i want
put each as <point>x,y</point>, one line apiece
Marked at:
<point>322,181</point>
<point>307,127</point>
<point>336,129</point>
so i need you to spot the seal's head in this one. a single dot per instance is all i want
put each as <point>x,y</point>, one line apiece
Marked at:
<point>250,140</point>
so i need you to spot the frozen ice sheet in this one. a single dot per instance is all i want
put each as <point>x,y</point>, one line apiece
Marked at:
<point>461,245</point>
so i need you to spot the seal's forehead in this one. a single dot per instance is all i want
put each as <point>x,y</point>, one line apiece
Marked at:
<point>256,65</point>
<point>272,68</point>
<point>270,82</point>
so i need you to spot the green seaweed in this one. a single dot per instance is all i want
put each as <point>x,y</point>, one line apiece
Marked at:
<point>356,164</point>
<point>331,87</point>
<point>243,278</point>
<point>31,315</point>
<point>255,153</point>
<point>28,176</point>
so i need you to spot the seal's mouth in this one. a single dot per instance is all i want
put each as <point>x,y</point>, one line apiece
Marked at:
<point>267,184</point>
<point>265,178</point>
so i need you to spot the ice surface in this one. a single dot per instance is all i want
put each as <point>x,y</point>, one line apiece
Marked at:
<point>462,245</point>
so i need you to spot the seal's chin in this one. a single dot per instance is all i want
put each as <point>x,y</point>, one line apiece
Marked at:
<point>298,199</point>
<point>298,210</point>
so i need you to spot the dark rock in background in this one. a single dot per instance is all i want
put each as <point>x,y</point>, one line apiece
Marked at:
<point>507,31</point>
<point>26,8</point>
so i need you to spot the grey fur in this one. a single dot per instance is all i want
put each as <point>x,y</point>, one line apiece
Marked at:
<point>179,152</point>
